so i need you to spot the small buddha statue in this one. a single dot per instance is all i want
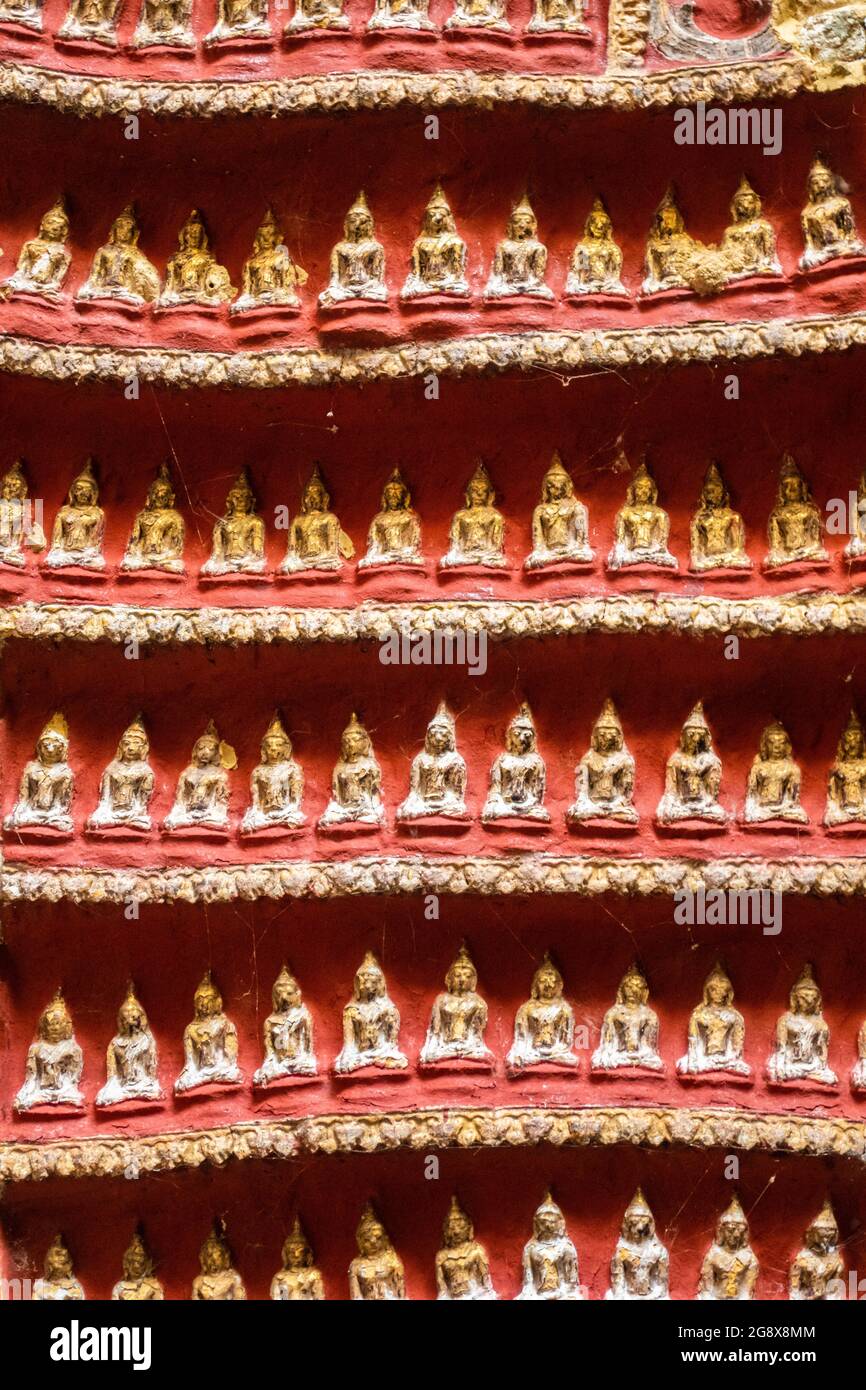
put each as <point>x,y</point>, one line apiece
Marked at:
<point>640,1264</point>
<point>58,1283</point>
<point>52,1073</point>
<point>131,1058</point>
<point>357,266</point>
<point>376,1273</point>
<point>818,1270</point>
<point>356,783</point>
<point>44,260</point>
<point>210,1043</point>
<point>669,249</point>
<point>846,780</point>
<point>773,789</point>
<point>827,220</point>
<point>717,1031</point>
<point>479,14</point>
<point>718,536</point>
<point>239,19</point>
<point>549,1266</point>
<point>79,527</point>
<point>312,15</point>
<point>518,776</point>
<point>437,781</point>
<point>270,278</point>
<point>560,523</point>
<point>27,13</point>
<point>730,1267</point>
<point>164,24</point>
<point>193,275</point>
<point>544,1025</point>
<point>630,1030</point>
<point>298,1281</point>
<point>316,539</point>
<point>858,1071</point>
<point>371,1024</point>
<point>749,243</point>
<point>795,527</point>
<point>604,778</point>
<point>400,14</point>
<point>394,538</point>
<point>139,1283</point>
<point>18,527</point>
<point>642,527</point>
<point>856,547</point>
<point>288,1035</point>
<point>520,260</point>
<point>557,17</point>
<point>119,270</point>
<point>276,785</point>
<point>458,1019</point>
<point>93,21</point>
<point>477,530</point>
<point>47,784</point>
<point>596,261</point>
<point>462,1270</point>
<point>802,1037</point>
<point>202,797</point>
<point>127,784</point>
<point>218,1282</point>
<point>239,534</point>
<point>438,264</point>
<point>156,542</point>
<point>693,777</point>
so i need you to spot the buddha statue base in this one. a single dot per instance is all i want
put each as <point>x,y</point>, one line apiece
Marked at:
<point>629,1071</point>
<point>274,830</point>
<point>717,1076</point>
<point>832,261</point>
<point>205,830</point>
<point>347,829</point>
<point>598,825</point>
<point>300,26</point>
<point>546,1066</point>
<point>130,1105</point>
<point>73,34</point>
<point>38,834</point>
<point>172,570</point>
<point>793,568</point>
<point>539,28</point>
<point>855,826</point>
<point>692,825</point>
<point>171,39</point>
<point>109,310</point>
<point>16,287</point>
<point>285,1081</point>
<point>804,1084</point>
<point>777,824</point>
<point>545,562</point>
<point>224,36</point>
<point>117,832</point>
<point>432,822</point>
<point>371,1073</point>
<point>267,310</point>
<point>457,1064</point>
<point>255,574</point>
<point>186,314</point>
<point>204,1084</point>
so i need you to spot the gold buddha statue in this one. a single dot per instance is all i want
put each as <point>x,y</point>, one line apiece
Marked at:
<point>127,784</point>
<point>462,1270</point>
<point>120,271</point>
<point>693,777</point>
<point>437,781</point>
<point>19,524</point>
<point>239,535</point>
<point>193,276</point>
<point>858,1071</point>
<point>44,260</point>
<point>202,796</point>
<point>52,1073</point>
<point>400,14</point>
<point>288,1035</point>
<point>316,539</point>
<point>773,790</point>
<point>596,261</point>
<point>458,1018</point>
<point>717,1031</point>
<point>640,1266</point>
<point>477,531</point>
<point>276,785</point>
<point>730,1267</point>
<point>846,780</point>
<point>718,536</point>
<point>371,1024</point>
<point>298,1281</point>
<point>210,1043</point>
<point>544,1025</point>
<point>139,1283</point>
<point>91,21</point>
<point>164,24</point>
<point>604,779</point>
<point>642,527</point>
<point>356,783</point>
<point>58,1283</point>
<point>47,784</point>
<point>818,1270</point>
<point>156,542</point>
<point>79,527</point>
<point>479,14</point>
<point>131,1061</point>
<point>669,249</point>
<point>549,1265</point>
<point>630,1030</point>
<point>520,261</point>
<point>438,264</point>
<point>560,523</point>
<point>749,243</point>
<point>376,1273</point>
<point>856,547</point>
<point>357,266</point>
<point>518,776</point>
<point>802,1037</point>
<point>394,538</point>
<point>795,527</point>
<point>827,220</point>
<point>270,278</point>
<point>218,1281</point>
<point>557,17</point>
<point>317,15</point>
<point>239,19</point>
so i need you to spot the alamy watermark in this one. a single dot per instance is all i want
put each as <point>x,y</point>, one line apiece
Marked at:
<point>732,908</point>
<point>441,646</point>
<point>729,125</point>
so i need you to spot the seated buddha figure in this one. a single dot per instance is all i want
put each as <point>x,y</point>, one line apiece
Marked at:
<point>669,249</point>
<point>79,527</point>
<point>544,1025</point>
<point>557,17</point>
<point>321,15</point>
<point>596,261</point>
<point>717,1031</point>
<point>52,1073</point>
<point>560,524</point>
<point>856,547</point>
<point>210,1043</point>
<point>518,775</point>
<point>218,1282</point>
<point>394,538</point>
<point>479,14</point>
<point>827,220</point>
<point>288,1034</point>
<point>693,776</point>
<point>131,1057</point>
<point>520,260</point>
<point>94,21</point>
<point>604,779</point>
<point>718,536</point>
<point>749,243</point>
<point>730,1267</point>
<point>164,23</point>
<point>458,1018</point>
<point>376,1273</point>
<point>127,784</point>
<point>316,539</point>
<point>58,1283</point>
<point>773,790</point>
<point>438,264</point>
<point>400,14</point>
<point>270,278</point>
<point>18,525</point>
<point>298,1281</point>
<point>357,265</point>
<point>240,19</point>
<point>630,1030</point>
<point>119,270</point>
<point>156,542</point>
<point>371,1023</point>
<point>356,782</point>
<point>640,1264</point>
<point>795,527</point>
<point>44,260</point>
<point>802,1037</point>
<point>477,530</point>
<point>818,1271</point>
<point>139,1284</point>
<point>437,781</point>
<point>549,1265</point>
<point>642,527</point>
<point>239,535</point>
<point>846,780</point>
<point>202,796</point>
<point>193,275</point>
<point>276,785</point>
<point>858,1071</point>
<point>47,784</point>
<point>462,1270</point>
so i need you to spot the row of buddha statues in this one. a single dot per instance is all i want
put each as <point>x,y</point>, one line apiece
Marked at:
<point>543,1037</point>
<point>604,783</point>
<point>120,272</point>
<point>549,1270</point>
<point>317,545</point>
